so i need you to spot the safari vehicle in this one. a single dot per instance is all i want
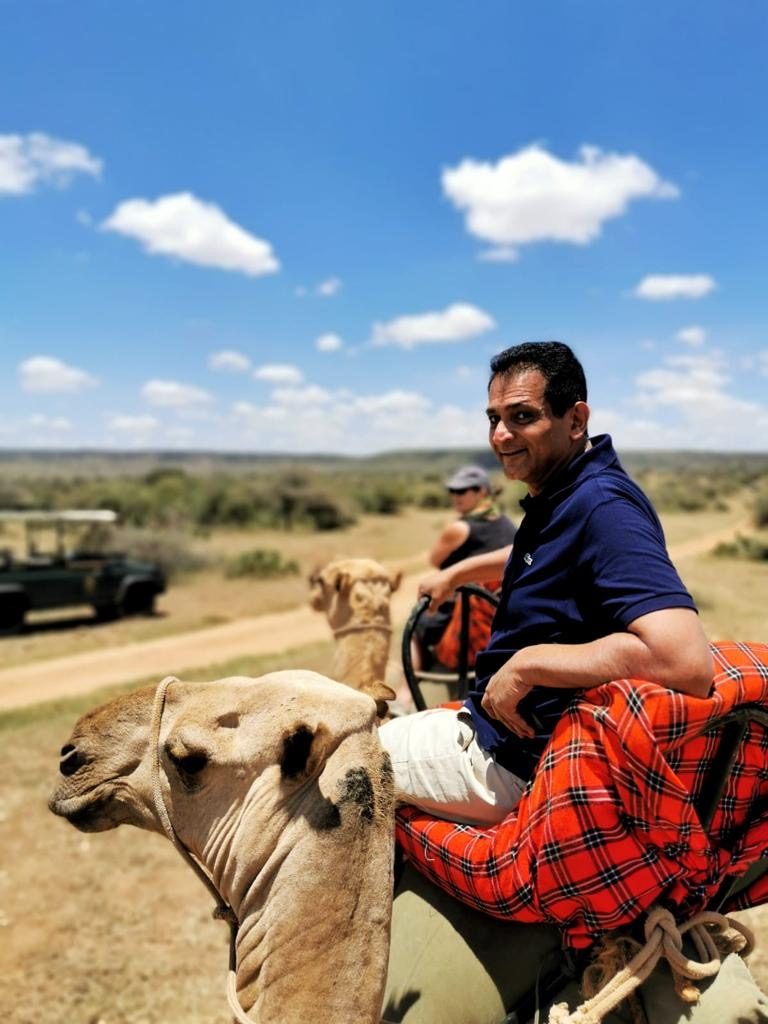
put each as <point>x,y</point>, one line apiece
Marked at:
<point>54,575</point>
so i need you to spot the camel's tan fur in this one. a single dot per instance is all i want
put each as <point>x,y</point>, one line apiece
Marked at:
<point>355,595</point>
<point>280,788</point>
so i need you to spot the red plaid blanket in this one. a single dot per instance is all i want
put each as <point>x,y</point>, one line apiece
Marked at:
<point>607,826</point>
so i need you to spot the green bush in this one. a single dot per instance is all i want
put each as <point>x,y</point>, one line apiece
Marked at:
<point>325,512</point>
<point>261,564</point>
<point>433,498</point>
<point>750,548</point>
<point>381,499</point>
<point>168,548</point>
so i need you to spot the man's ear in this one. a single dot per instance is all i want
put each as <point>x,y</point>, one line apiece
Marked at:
<point>395,579</point>
<point>579,420</point>
<point>304,750</point>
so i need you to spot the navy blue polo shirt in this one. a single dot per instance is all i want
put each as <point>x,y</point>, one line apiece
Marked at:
<point>588,559</point>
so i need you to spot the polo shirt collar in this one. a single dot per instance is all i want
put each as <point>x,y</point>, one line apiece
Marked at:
<point>587,464</point>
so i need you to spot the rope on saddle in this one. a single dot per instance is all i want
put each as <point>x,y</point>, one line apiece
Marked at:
<point>222,910</point>
<point>663,938</point>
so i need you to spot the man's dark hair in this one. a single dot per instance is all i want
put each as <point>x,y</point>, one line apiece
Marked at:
<point>564,374</point>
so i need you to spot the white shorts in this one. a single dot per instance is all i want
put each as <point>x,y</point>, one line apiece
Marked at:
<point>440,767</point>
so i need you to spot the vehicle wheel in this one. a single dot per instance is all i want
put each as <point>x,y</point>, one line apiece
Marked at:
<point>139,600</point>
<point>106,612</point>
<point>11,616</point>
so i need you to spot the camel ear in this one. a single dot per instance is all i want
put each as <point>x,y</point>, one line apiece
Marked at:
<point>381,693</point>
<point>342,582</point>
<point>318,596</point>
<point>395,580</point>
<point>303,750</point>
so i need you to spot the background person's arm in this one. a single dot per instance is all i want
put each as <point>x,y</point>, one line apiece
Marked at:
<point>452,537</point>
<point>668,647</point>
<point>483,568</point>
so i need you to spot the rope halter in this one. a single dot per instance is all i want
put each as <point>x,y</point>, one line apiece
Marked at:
<point>222,910</point>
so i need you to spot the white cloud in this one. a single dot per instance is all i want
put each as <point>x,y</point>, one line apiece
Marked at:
<point>693,335</point>
<point>501,254</point>
<point>56,424</point>
<point>398,402</point>
<point>687,402</point>
<point>230,360</point>
<point>329,287</point>
<point>172,394</point>
<point>340,421</point>
<point>45,374</point>
<point>180,435</point>
<point>27,161</point>
<point>329,343</point>
<point>455,323</point>
<point>658,287</point>
<point>279,373</point>
<point>310,395</point>
<point>190,229</point>
<point>533,196</point>
<point>133,424</point>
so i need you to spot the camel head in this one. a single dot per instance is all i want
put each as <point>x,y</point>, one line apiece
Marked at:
<point>355,595</point>
<point>279,787</point>
<point>225,734</point>
<point>353,590</point>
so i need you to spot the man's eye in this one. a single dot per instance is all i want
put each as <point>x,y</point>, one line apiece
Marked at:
<point>523,417</point>
<point>493,421</point>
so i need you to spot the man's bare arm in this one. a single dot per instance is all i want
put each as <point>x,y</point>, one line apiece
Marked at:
<point>668,647</point>
<point>477,569</point>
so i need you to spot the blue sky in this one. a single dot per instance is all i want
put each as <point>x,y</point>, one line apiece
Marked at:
<point>264,226</point>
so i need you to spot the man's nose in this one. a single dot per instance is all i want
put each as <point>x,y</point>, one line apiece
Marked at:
<point>500,432</point>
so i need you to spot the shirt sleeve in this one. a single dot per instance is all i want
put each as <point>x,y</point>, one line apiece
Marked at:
<point>629,572</point>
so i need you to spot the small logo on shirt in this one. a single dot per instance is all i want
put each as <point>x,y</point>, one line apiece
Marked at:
<point>528,558</point>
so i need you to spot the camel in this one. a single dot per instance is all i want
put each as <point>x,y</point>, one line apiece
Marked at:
<point>355,593</point>
<point>279,790</point>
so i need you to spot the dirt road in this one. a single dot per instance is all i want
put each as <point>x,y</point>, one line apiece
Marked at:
<point>172,655</point>
<point>266,634</point>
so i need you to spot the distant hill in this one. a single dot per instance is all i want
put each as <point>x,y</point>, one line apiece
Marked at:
<point>433,463</point>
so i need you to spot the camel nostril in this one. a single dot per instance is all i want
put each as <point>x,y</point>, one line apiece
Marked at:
<point>71,760</point>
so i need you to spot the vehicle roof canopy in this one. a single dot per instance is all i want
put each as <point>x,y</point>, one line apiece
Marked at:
<point>33,517</point>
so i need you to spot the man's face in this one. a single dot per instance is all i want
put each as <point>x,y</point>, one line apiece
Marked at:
<point>530,442</point>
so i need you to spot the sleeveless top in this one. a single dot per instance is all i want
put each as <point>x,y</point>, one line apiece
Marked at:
<point>484,535</point>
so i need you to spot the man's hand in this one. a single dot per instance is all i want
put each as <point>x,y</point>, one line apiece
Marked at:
<point>504,692</point>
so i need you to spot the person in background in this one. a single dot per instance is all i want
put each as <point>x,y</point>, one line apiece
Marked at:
<point>480,527</point>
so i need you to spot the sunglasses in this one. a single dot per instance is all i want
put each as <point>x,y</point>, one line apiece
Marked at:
<point>461,490</point>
